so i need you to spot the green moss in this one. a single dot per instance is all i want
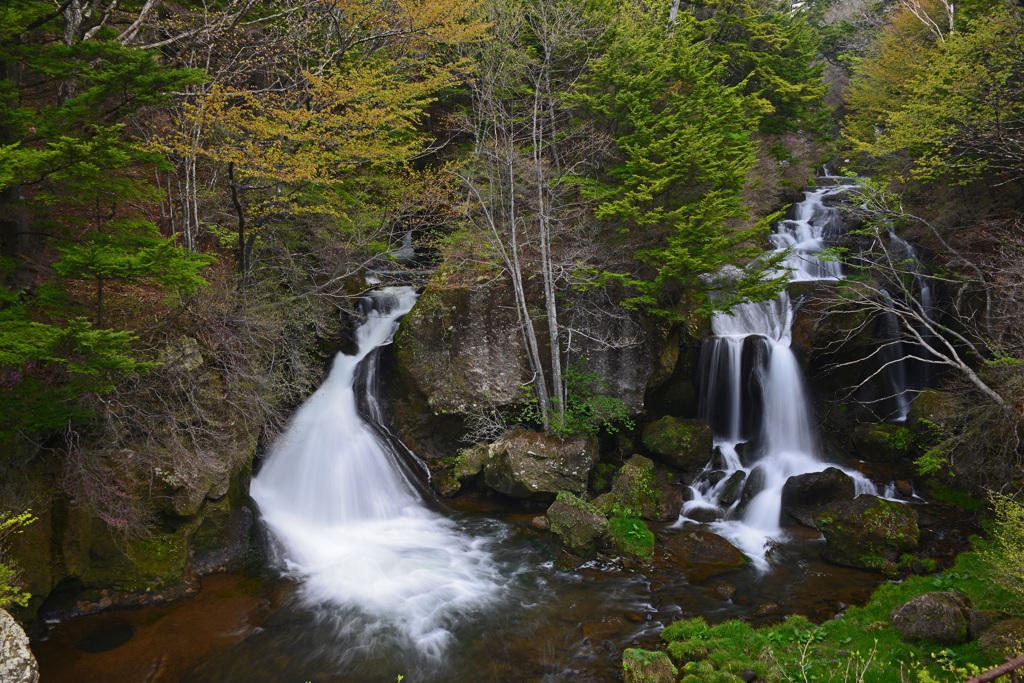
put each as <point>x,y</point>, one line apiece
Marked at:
<point>862,640</point>
<point>631,536</point>
<point>646,666</point>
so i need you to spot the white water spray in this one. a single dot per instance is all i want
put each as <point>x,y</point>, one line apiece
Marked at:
<point>352,527</point>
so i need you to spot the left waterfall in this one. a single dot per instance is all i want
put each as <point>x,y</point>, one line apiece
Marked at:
<point>348,521</point>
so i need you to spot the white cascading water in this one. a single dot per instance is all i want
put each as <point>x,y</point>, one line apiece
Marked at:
<point>351,526</point>
<point>752,393</point>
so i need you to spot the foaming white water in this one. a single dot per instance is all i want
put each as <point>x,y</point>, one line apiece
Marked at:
<point>753,395</point>
<point>351,525</point>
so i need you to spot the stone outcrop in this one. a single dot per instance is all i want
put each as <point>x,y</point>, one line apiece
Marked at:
<point>943,618</point>
<point>537,466</point>
<point>804,495</point>
<point>17,663</point>
<point>684,444</point>
<point>868,531</point>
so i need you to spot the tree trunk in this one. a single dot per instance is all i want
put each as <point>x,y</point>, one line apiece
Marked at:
<point>243,266</point>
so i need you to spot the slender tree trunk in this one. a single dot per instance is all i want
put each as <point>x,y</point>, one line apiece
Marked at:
<point>243,267</point>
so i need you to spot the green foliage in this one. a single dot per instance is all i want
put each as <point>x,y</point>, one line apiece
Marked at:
<point>1005,557</point>
<point>10,592</point>
<point>48,372</point>
<point>588,409</point>
<point>682,141</point>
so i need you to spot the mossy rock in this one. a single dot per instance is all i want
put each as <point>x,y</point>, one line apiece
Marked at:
<point>868,532</point>
<point>647,666</point>
<point>684,444</point>
<point>157,561</point>
<point>931,407</point>
<point>578,524</point>
<point>630,536</point>
<point>640,490</point>
<point>943,618</point>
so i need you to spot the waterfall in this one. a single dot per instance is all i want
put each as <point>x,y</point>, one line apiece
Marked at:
<point>752,394</point>
<point>348,521</point>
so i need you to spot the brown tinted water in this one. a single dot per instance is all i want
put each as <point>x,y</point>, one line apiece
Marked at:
<point>558,623</point>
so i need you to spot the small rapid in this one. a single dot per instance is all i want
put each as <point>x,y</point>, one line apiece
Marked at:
<point>349,523</point>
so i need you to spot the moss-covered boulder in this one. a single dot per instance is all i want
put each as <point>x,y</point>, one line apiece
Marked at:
<point>882,442</point>
<point>647,666</point>
<point>1002,640</point>
<point>931,408</point>
<point>630,536</point>
<point>464,468</point>
<point>537,466</point>
<point>868,532</point>
<point>699,554</point>
<point>641,490</point>
<point>684,444</point>
<point>804,495</point>
<point>943,618</point>
<point>578,524</point>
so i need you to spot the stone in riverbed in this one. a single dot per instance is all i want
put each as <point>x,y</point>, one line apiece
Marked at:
<point>698,554</point>
<point>867,532</point>
<point>640,490</point>
<point>578,524</point>
<point>804,495</point>
<point>537,466</point>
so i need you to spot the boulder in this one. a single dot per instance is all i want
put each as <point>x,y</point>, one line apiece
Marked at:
<point>941,617</point>
<point>867,532</point>
<point>804,495</point>
<point>684,444</point>
<point>466,466</point>
<point>646,666</point>
<point>698,553</point>
<point>640,490</point>
<point>630,536</point>
<point>536,466</point>
<point>577,523</point>
<point>756,481</point>
<point>17,663</point>
<point>732,488</point>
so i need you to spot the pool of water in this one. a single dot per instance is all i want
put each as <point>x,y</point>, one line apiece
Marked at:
<point>556,622</point>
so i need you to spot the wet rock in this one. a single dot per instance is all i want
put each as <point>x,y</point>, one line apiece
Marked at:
<point>723,591</point>
<point>639,490</point>
<point>1002,639</point>
<point>537,466</point>
<point>733,487</point>
<point>942,618</point>
<point>768,609</point>
<point>804,495</point>
<point>541,522</point>
<point>755,483</point>
<point>684,444</point>
<point>882,442</point>
<point>867,532</point>
<point>904,488</point>
<point>577,523</point>
<point>699,554</point>
<point>645,666</point>
<point>704,515</point>
<point>17,663</point>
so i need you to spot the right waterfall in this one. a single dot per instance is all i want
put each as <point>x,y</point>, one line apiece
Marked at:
<point>752,393</point>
